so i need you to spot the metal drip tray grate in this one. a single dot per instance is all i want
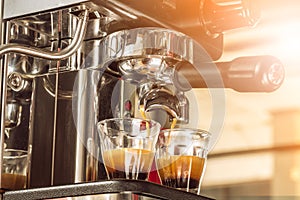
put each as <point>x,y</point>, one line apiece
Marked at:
<point>112,190</point>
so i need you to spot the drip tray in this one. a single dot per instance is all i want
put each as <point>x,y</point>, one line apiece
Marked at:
<point>104,190</point>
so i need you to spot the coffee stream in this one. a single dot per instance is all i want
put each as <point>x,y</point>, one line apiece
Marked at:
<point>143,113</point>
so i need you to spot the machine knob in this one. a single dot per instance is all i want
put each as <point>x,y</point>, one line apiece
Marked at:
<point>230,14</point>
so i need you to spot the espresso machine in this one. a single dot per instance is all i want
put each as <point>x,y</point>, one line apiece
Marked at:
<point>67,64</point>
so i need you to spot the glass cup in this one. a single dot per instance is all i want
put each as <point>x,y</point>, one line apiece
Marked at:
<point>128,147</point>
<point>181,158</point>
<point>14,169</point>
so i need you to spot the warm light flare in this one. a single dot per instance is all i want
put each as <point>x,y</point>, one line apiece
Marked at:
<point>288,43</point>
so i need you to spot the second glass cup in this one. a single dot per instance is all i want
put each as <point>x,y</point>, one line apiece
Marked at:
<point>181,158</point>
<point>128,146</point>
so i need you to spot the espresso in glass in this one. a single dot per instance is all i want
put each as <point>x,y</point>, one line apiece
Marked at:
<point>181,171</point>
<point>128,147</point>
<point>181,158</point>
<point>13,181</point>
<point>14,169</point>
<point>128,163</point>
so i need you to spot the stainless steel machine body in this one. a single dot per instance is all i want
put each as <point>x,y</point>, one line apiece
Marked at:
<point>67,64</point>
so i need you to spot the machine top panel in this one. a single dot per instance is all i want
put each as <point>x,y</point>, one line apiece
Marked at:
<point>15,8</point>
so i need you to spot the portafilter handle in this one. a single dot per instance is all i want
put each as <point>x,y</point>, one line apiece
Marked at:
<point>243,74</point>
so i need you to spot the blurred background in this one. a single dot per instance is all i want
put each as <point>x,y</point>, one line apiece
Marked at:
<point>258,151</point>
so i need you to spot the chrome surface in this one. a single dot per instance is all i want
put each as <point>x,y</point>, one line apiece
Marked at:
<point>3,83</point>
<point>16,8</point>
<point>13,114</point>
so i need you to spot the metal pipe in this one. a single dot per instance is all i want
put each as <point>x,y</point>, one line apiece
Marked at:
<point>64,53</point>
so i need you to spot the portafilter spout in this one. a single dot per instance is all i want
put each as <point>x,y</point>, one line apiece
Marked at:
<point>155,97</point>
